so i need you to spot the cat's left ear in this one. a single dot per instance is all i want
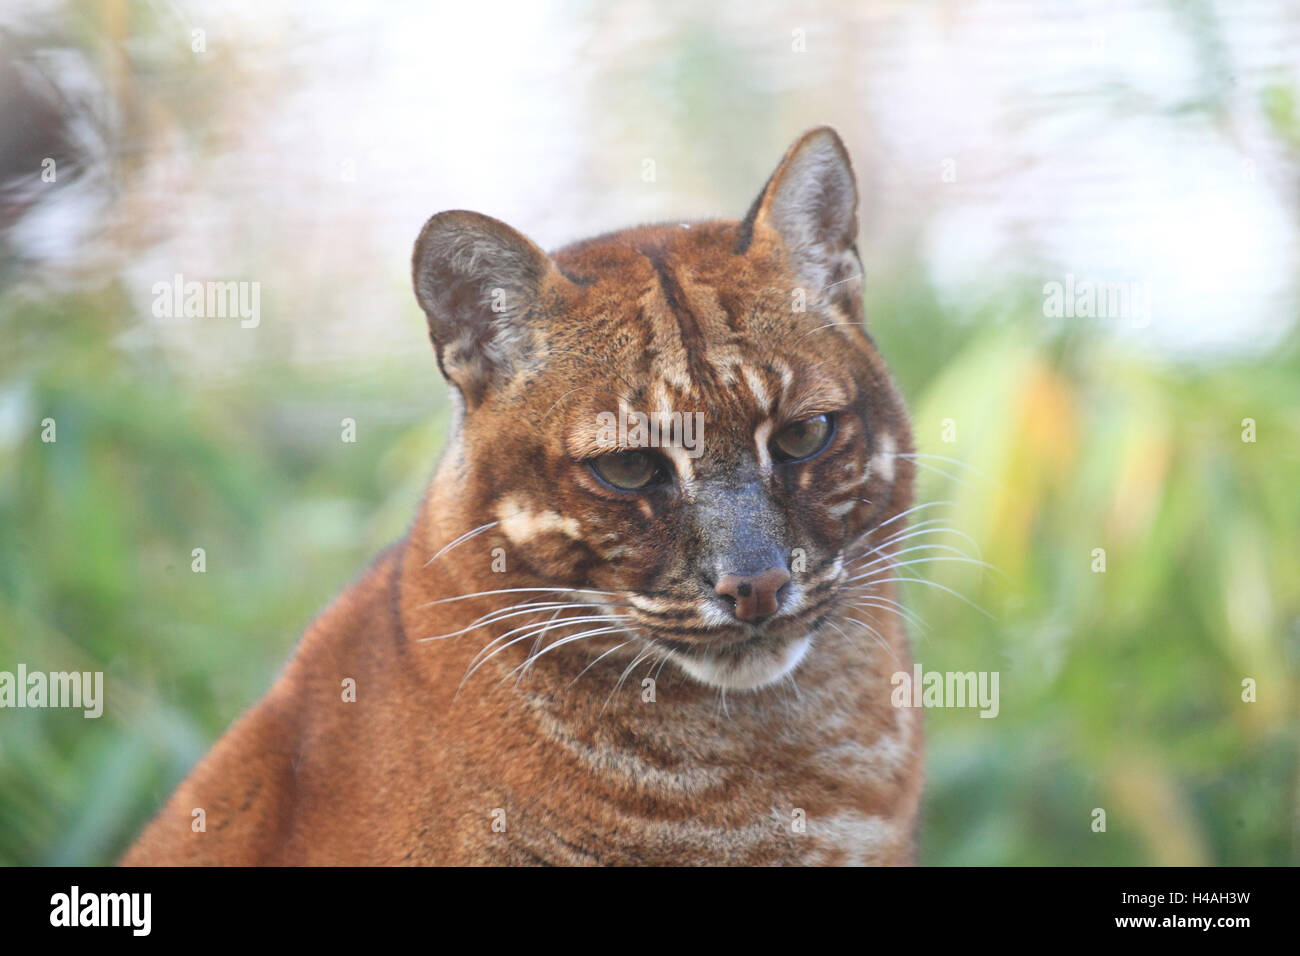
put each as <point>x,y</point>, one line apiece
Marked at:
<point>811,204</point>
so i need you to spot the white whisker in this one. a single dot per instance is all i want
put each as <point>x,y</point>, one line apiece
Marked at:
<point>559,590</point>
<point>463,538</point>
<point>567,639</point>
<point>935,584</point>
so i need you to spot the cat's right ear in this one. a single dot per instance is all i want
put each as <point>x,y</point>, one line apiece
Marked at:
<point>479,283</point>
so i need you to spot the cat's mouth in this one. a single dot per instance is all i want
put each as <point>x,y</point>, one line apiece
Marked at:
<point>720,651</point>
<point>744,664</point>
<point>739,656</point>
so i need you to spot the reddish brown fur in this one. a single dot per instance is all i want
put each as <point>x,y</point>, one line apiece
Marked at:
<point>414,771</point>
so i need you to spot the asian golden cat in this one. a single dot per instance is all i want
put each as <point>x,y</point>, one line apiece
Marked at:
<point>609,638</point>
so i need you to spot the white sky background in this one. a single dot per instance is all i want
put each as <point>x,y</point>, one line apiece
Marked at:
<point>1060,120</point>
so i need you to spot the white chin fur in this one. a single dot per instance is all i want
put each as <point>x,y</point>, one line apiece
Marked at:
<point>754,670</point>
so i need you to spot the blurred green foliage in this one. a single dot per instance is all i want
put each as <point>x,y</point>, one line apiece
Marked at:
<point>1120,690</point>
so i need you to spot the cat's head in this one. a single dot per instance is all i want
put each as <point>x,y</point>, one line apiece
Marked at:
<point>688,421</point>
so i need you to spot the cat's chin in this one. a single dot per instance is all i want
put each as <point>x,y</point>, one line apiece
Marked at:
<point>756,665</point>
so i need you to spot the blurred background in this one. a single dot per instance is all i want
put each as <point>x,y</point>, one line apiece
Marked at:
<point>1001,147</point>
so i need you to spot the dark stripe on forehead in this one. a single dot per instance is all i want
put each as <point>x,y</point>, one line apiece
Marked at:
<point>688,324</point>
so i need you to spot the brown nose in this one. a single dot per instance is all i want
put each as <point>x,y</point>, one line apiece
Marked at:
<point>755,594</point>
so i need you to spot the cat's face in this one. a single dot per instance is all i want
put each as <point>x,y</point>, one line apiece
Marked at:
<point>686,420</point>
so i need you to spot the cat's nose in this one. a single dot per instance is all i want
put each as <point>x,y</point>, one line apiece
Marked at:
<point>754,596</point>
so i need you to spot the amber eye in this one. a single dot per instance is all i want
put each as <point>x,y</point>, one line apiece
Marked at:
<point>802,439</point>
<point>630,470</point>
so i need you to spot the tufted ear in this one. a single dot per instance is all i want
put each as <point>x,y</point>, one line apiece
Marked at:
<point>811,202</point>
<point>478,282</point>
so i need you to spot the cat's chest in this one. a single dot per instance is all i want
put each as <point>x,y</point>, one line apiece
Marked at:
<point>626,835</point>
<point>637,793</point>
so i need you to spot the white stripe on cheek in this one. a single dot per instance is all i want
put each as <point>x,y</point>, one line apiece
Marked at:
<point>519,523</point>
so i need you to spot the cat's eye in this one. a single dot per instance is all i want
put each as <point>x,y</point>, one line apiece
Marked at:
<point>802,439</point>
<point>630,470</point>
